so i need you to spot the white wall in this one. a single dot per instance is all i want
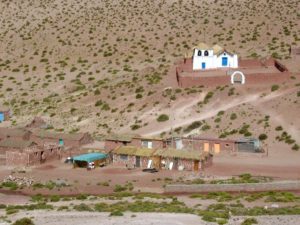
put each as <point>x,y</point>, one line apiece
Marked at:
<point>213,61</point>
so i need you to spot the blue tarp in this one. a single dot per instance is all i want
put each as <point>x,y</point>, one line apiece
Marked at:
<point>90,157</point>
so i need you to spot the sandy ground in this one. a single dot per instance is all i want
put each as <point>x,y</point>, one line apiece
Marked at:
<point>91,218</point>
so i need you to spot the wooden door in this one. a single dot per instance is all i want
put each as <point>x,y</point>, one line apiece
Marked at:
<point>206,147</point>
<point>217,148</point>
<point>138,161</point>
<point>196,165</point>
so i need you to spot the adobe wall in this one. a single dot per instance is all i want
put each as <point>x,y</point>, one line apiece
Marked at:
<point>3,150</point>
<point>247,187</point>
<point>25,137</point>
<point>120,162</point>
<point>155,143</point>
<point>137,142</point>
<point>111,145</point>
<point>187,164</point>
<point>258,78</point>
<point>198,145</point>
<point>67,143</point>
<point>17,158</point>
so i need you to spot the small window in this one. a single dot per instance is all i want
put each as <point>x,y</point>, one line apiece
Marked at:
<point>206,53</point>
<point>124,157</point>
<point>226,145</point>
<point>199,53</point>
<point>147,144</point>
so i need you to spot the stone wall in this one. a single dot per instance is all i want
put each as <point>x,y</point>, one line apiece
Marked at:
<point>249,187</point>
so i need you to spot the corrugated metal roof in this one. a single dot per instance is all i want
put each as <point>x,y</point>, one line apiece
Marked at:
<point>90,157</point>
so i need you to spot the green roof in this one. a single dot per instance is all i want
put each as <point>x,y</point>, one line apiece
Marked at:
<point>90,157</point>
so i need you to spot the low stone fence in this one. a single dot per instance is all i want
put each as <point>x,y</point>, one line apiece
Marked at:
<point>246,187</point>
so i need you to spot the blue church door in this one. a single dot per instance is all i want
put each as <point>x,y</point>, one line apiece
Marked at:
<point>224,61</point>
<point>203,65</point>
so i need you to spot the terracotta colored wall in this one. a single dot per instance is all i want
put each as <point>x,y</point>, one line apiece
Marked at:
<point>17,158</point>
<point>137,142</point>
<point>68,143</point>
<point>119,162</point>
<point>258,78</point>
<point>198,145</point>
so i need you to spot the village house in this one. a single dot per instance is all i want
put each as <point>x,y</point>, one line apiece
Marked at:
<point>14,133</point>
<point>202,144</point>
<point>114,141</point>
<point>26,153</point>
<point>76,140</point>
<point>171,159</point>
<point>5,114</point>
<point>174,159</point>
<point>206,57</point>
<point>132,156</point>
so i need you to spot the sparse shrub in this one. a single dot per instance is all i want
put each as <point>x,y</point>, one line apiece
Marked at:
<point>24,221</point>
<point>162,118</point>
<point>274,87</point>
<point>262,137</point>
<point>249,221</point>
<point>233,116</point>
<point>116,213</point>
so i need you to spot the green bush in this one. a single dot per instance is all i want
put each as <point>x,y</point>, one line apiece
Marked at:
<point>274,87</point>
<point>83,207</point>
<point>24,221</point>
<point>233,116</point>
<point>162,118</point>
<point>249,221</point>
<point>116,213</point>
<point>262,137</point>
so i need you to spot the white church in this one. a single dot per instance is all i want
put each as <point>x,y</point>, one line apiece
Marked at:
<point>205,57</point>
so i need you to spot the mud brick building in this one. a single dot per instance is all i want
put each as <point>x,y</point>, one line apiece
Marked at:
<point>202,144</point>
<point>132,156</point>
<point>114,141</point>
<point>28,153</point>
<point>173,159</point>
<point>42,137</point>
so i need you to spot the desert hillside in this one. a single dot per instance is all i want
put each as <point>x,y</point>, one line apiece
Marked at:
<point>105,66</point>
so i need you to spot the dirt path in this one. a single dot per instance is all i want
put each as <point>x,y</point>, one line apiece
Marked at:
<point>181,114</point>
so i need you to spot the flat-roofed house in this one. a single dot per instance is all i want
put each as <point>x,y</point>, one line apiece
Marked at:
<point>174,159</point>
<point>132,156</point>
<point>114,141</point>
<point>62,139</point>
